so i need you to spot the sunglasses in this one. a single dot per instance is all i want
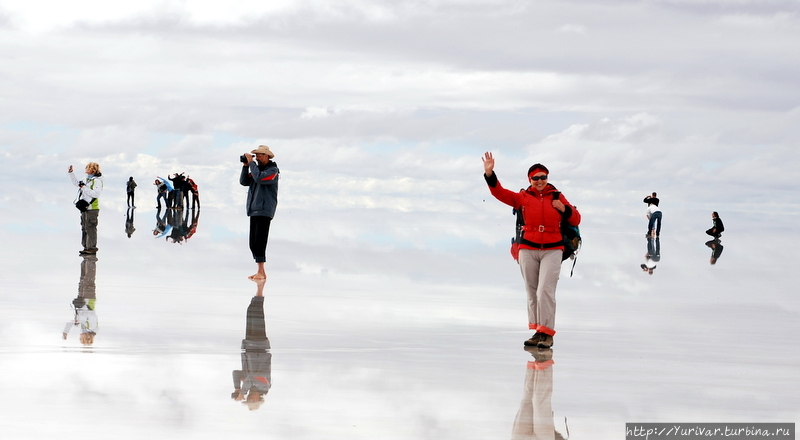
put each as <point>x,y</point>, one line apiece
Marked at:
<point>535,178</point>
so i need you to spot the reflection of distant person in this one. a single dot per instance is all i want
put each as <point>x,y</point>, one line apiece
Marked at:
<point>130,187</point>
<point>84,304</point>
<point>716,230</point>
<point>193,226</point>
<point>254,380</point>
<point>162,227</point>
<point>652,256</point>
<point>716,250</point>
<point>89,190</point>
<point>541,246</point>
<point>129,229</point>
<point>261,175</point>
<point>177,226</point>
<point>534,420</point>
<point>653,216</point>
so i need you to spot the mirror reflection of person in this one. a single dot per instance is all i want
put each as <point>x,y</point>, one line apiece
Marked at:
<point>129,228</point>
<point>252,383</point>
<point>178,225</point>
<point>193,226</point>
<point>534,420</point>
<point>716,250</point>
<point>162,227</point>
<point>652,256</point>
<point>85,316</point>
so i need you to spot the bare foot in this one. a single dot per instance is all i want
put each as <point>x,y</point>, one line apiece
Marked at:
<point>258,276</point>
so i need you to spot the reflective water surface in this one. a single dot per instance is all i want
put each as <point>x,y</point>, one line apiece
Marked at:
<point>143,340</point>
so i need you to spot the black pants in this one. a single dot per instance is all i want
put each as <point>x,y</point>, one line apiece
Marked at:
<point>259,233</point>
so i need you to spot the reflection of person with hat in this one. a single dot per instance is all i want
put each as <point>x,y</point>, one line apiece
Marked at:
<point>254,380</point>
<point>261,175</point>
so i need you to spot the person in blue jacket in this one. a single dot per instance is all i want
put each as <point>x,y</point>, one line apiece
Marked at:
<point>261,175</point>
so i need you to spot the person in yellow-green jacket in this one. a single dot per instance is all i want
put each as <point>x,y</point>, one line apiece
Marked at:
<point>87,202</point>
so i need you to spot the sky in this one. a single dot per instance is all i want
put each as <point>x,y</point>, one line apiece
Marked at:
<point>378,112</point>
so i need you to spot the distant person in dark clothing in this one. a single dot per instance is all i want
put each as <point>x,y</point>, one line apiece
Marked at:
<point>716,230</point>
<point>653,216</point>
<point>261,175</point>
<point>130,187</point>
<point>177,188</point>
<point>651,199</point>
<point>716,250</point>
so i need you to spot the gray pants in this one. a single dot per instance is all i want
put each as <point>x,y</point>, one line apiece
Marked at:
<point>540,271</point>
<point>89,229</point>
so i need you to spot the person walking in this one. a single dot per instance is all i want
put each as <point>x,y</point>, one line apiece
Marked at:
<point>260,174</point>
<point>89,190</point>
<point>130,187</point>
<point>541,246</point>
<point>653,215</point>
<point>716,230</point>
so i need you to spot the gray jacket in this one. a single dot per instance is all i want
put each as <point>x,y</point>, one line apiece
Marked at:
<point>262,197</point>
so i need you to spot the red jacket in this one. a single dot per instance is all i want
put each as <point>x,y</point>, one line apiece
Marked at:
<point>542,221</point>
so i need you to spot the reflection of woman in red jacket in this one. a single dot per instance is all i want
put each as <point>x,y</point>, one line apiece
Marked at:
<point>543,209</point>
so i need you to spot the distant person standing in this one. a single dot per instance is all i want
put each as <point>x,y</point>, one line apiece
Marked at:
<point>164,188</point>
<point>653,216</point>
<point>261,176</point>
<point>716,230</point>
<point>177,187</point>
<point>89,190</point>
<point>130,187</point>
<point>195,193</point>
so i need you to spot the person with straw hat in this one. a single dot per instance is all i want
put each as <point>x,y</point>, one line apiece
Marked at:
<point>260,174</point>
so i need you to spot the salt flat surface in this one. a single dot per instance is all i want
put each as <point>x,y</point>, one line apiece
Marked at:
<point>392,343</point>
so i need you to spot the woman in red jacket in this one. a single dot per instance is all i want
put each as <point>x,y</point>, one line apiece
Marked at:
<point>543,209</point>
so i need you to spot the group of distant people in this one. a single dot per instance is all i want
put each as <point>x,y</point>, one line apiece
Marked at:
<point>176,189</point>
<point>653,233</point>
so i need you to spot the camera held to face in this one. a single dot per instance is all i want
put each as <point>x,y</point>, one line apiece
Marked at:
<point>243,159</point>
